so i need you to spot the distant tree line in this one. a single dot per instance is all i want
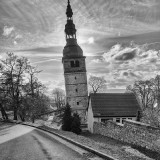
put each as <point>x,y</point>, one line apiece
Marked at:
<point>20,89</point>
<point>148,94</point>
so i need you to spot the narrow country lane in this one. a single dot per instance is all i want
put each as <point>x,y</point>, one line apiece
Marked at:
<point>19,142</point>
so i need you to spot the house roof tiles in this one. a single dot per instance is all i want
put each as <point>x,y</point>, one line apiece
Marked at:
<point>114,104</point>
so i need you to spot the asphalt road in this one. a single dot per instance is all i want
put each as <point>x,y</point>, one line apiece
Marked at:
<point>19,142</point>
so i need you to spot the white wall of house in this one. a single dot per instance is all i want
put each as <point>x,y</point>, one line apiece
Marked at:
<point>115,119</point>
<point>90,119</point>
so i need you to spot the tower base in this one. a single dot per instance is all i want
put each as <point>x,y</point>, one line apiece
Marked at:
<point>82,115</point>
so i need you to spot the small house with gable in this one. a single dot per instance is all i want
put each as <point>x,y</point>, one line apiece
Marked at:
<point>111,106</point>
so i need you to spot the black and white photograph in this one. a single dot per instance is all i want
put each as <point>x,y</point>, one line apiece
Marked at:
<point>79,79</point>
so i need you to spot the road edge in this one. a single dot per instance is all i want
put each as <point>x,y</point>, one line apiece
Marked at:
<point>94,151</point>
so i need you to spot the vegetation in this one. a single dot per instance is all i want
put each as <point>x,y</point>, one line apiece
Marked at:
<point>97,84</point>
<point>59,97</point>
<point>67,118</point>
<point>76,124</point>
<point>148,94</point>
<point>69,122</point>
<point>20,89</point>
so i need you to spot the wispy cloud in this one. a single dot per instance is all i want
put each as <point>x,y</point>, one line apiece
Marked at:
<point>47,60</point>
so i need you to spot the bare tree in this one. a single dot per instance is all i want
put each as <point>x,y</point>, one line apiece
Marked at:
<point>143,90</point>
<point>97,84</point>
<point>59,97</point>
<point>156,88</point>
<point>25,96</point>
<point>35,106</point>
<point>33,84</point>
<point>4,99</point>
<point>148,94</point>
<point>13,73</point>
<point>33,95</point>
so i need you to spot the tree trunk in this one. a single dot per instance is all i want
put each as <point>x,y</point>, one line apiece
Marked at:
<point>4,114</point>
<point>22,118</point>
<point>33,119</point>
<point>15,113</point>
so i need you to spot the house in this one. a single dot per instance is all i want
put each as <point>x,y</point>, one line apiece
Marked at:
<point>111,106</point>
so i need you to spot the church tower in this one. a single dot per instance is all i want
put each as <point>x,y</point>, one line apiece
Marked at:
<point>74,70</point>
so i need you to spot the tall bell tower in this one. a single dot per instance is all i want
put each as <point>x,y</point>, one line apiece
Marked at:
<point>74,70</point>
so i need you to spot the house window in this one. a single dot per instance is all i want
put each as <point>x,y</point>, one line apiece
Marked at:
<point>118,120</point>
<point>75,78</point>
<point>77,103</point>
<point>105,120</point>
<point>123,120</point>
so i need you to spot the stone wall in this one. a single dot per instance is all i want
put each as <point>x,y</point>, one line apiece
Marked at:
<point>77,90</point>
<point>132,132</point>
<point>83,101</point>
<point>76,78</point>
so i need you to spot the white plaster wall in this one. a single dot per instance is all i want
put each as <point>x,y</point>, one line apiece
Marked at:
<point>114,118</point>
<point>90,118</point>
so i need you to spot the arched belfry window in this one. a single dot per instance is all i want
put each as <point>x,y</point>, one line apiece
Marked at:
<point>77,63</point>
<point>74,63</point>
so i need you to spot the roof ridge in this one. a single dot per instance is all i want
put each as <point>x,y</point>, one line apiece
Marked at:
<point>112,93</point>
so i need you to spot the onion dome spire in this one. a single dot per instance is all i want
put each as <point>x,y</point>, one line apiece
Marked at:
<point>69,12</point>
<point>72,49</point>
<point>70,29</point>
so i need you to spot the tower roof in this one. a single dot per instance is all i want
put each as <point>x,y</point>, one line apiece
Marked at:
<point>72,49</point>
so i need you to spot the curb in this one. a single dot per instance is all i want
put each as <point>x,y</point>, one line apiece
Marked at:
<point>100,154</point>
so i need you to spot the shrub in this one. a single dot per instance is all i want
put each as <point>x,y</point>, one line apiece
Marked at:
<point>76,124</point>
<point>67,118</point>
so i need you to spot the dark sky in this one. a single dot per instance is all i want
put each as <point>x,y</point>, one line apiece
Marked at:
<point>121,38</point>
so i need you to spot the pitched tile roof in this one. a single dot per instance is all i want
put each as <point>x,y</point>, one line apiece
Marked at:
<point>114,104</point>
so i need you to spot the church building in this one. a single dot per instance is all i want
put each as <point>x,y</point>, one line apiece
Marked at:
<point>74,70</point>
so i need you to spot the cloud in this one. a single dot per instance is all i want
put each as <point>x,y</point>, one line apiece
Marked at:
<point>7,30</point>
<point>132,53</point>
<point>126,55</point>
<point>91,40</point>
<point>123,64</point>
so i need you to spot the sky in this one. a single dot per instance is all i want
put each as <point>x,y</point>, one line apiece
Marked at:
<point>120,38</point>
